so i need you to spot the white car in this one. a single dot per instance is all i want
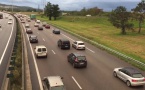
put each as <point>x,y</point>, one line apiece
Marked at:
<point>27,25</point>
<point>131,76</point>
<point>41,51</point>
<point>37,21</point>
<point>36,24</point>
<point>53,83</point>
<point>9,22</point>
<point>78,45</point>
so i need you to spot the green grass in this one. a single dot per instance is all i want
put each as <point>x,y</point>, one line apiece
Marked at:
<point>99,29</point>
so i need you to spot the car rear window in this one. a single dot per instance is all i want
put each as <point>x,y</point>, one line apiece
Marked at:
<point>80,43</point>
<point>81,58</point>
<point>137,75</point>
<point>43,49</point>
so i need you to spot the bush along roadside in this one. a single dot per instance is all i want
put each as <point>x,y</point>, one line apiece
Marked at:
<point>16,79</point>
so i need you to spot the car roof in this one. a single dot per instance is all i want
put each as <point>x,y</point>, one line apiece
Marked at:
<point>131,70</point>
<point>78,54</point>
<point>33,36</point>
<point>40,46</point>
<point>55,81</point>
<point>79,41</point>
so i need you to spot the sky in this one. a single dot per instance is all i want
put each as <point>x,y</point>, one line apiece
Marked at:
<point>69,5</point>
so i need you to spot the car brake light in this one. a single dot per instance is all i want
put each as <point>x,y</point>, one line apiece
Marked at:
<point>76,60</point>
<point>134,80</point>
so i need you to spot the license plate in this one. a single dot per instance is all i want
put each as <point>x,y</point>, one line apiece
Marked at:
<point>81,63</point>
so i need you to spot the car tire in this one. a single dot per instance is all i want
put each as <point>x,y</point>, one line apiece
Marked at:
<point>74,65</point>
<point>128,83</point>
<point>115,74</point>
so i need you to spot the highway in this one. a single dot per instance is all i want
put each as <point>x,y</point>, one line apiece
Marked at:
<point>7,37</point>
<point>97,76</point>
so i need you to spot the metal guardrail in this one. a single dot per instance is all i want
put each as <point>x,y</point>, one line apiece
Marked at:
<point>102,46</point>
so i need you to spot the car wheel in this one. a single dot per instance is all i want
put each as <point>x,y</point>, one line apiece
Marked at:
<point>128,83</point>
<point>74,65</point>
<point>115,74</point>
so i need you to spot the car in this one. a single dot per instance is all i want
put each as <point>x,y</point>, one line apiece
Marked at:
<point>33,39</point>
<point>37,21</point>
<point>77,59</point>
<point>27,25</point>
<point>28,20</point>
<point>56,31</point>
<point>53,83</point>
<point>44,23</point>
<point>29,31</point>
<point>47,26</point>
<point>40,27</point>
<point>36,24</point>
<point>9,22</point>
<point>63,43</point>
<point>78,45</point>
<point>22,21</point>
<point>41,51</point>
<point>10,18</point>
<point>130,75</point>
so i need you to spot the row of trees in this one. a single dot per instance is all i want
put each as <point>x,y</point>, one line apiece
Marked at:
<point>51,10</point>
<point>120,18</point>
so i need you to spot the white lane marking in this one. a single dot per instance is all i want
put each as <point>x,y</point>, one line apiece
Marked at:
<point>68,37</point>
<point>36,67</point>
<point>53,52</point>
<point>7,44</point>
<point>43,39</point>
<point>90,50</point>
<point>76,82</point>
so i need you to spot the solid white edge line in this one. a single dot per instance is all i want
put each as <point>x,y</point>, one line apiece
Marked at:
<point>76,82</point>
<point>36,67</point>
<point>53,52</point>
<point>90,50</point>
<point>7,43</point>
<point>43,39</point>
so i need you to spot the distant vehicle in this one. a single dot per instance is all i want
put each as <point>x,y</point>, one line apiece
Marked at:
<point>77,60</point>
<point>29,31</point>
<point>63,43</point>
<point>53,83</point>
<point>22,21</point>
<point>6,17</point>
<point>1,16</point>
<point>44,23</point>
<point>41,51</point>
<point>9,22</point>
<point>33,39</point>
<point>28,20</point>
<point>36,24</point>
<point>40,27</point>
<point>32,16</point>
<point>37,21</point>
<point>78,45</point>
<point>131,76</point>
<point>10,18</point>
<point>47,26</point>
<point>56,31</point>
<point>27,25</point>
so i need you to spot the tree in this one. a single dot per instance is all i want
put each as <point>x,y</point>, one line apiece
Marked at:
<point>48,10</point>
<point>55,11</point>
<point>120,19</point>
<point>139,14</point>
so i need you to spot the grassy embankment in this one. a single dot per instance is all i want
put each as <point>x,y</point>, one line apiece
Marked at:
<point>99,29</point>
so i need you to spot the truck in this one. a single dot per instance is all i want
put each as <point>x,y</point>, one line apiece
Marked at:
<point>1,16</point>
<point>32,16</point>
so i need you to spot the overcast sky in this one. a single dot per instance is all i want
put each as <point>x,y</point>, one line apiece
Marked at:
<point>106,5</point>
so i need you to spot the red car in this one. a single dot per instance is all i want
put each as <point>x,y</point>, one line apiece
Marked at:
<point>47,26</point>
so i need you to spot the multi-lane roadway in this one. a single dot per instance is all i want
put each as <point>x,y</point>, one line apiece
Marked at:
<point>97,76</point>
<point>7,38</point>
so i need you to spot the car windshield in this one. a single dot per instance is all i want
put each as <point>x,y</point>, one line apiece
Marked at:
<point>43,49</point>
<point>81,58</point>
<point>137,75</point>
<point>80,43</point>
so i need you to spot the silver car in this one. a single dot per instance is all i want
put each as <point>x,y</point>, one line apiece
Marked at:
<point>131,76</point>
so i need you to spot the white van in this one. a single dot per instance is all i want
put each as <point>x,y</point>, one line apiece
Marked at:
<point>40,51</point>
<point>53,83</point>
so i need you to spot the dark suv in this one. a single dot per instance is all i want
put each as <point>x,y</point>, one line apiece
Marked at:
<point>77,60</point>
<point>63,43</point>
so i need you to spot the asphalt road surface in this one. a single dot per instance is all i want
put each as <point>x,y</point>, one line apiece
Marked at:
<point>7,37</point>
<point>97,76</point>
